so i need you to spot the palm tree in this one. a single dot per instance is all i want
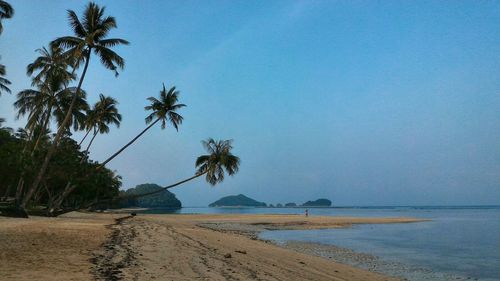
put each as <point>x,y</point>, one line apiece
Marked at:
<point>6,12</point>
<point>103,113</point>
<point>214,165</point>
<point>219,159</point>
<point>48,101</point>
<point>3,81</point>
<point>52,62</point>
<point>90,36</point>
<point>164,110</point>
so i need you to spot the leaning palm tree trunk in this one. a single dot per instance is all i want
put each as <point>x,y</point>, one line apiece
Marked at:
<point>88,147</point>
<point>128,144</point>
<point>69,188</point>
<point>162,189</point>
<point>134,196</point>
<point>55,142</point>
<point>84,137</point>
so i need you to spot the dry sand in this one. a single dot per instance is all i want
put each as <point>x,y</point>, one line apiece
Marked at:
<point>51,248</point>
<point>79,246</point>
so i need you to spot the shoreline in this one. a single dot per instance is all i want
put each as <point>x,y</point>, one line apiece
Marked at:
<point>368,261</point>
<point>90,246</point>
<point>207,237</point>
<point>336,253</point>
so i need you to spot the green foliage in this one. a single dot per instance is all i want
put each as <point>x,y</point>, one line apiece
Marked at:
<point>10,149</point>
<point>92,184</point>
<point>237,201</point>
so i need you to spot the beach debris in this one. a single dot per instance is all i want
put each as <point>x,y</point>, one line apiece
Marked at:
<point>241,252</point>
<point>228,256</point>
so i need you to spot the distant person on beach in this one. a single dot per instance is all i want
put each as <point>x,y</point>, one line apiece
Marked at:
<point>307,212</point>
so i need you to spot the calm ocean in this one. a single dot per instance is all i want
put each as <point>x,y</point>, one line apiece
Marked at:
<point>462,242</point>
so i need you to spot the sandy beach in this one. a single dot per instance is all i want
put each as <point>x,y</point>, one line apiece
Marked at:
<point>81,246</point>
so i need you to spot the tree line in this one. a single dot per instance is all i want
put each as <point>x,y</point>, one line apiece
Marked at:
<point>49,171</point>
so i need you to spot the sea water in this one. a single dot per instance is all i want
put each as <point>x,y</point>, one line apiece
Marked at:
<point>457,241</point>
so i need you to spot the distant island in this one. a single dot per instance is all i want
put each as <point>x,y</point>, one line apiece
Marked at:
<point>239,200</point>
<point>318,203</point>
<point>165,199</point>
<point>244,201</point>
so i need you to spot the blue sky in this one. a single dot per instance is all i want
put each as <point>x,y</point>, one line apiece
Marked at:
<point>361,102</point>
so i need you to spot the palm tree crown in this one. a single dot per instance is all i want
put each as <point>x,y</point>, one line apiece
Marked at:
<point>90,34</point>
<point>164,108</point>
<point>219,159</point>
<point>104,112</point>
<point>52,62</point>
<point>6,12</point>
<point>51,100</point>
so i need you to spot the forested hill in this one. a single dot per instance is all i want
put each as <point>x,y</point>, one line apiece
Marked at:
<point>164,199</point>
<point>318,203</point>
<point>237,200</point>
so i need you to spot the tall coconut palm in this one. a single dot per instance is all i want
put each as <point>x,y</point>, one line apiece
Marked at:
<point>6,12</point>
<point>4,82</point>
<point>52,62</point>
<point>214,165</point>
<point>90,36</point>
<point>49,100</point>
<point>164,110</point>
<point>103,113</point>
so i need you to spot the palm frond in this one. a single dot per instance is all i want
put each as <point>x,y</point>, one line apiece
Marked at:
<point>109,58</point>
<point>76,25</point>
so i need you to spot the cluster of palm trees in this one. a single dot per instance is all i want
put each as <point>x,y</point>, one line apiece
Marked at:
<point>6,12</point>
<point>52,99</point>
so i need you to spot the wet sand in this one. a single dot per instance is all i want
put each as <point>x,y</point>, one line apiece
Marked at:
<point>82,246</point>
